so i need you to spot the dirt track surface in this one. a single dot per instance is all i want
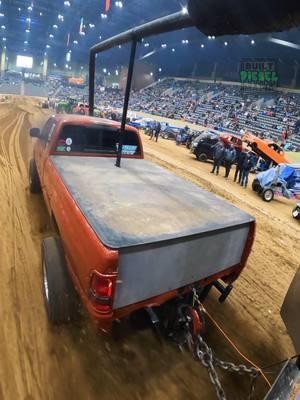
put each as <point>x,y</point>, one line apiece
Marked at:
<point>73,362</point>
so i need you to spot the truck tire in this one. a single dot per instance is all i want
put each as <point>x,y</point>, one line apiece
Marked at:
<point>202,157</point>
<point>268,195</point>
<point>296,213</point>
<point>34,179</point>
<point>165,136</point>
<point>59,292</point>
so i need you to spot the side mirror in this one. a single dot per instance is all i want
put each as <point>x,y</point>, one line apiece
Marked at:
<point>35,132</point>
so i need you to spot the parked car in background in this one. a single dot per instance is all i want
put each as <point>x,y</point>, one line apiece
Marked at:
<point>296,212</point>
<point>203,146</point>
<point>269,150</point>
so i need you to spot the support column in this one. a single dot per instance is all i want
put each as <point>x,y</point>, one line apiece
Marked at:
<point>45,67</point>
<point>296,70</point>
<point>3,61</point>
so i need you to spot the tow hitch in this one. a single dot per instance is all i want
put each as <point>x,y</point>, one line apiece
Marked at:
<point>184,324</point>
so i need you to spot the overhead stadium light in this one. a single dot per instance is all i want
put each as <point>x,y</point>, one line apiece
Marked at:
<point>184,10</point>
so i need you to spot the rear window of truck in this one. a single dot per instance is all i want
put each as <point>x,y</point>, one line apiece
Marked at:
<point>96,139</point>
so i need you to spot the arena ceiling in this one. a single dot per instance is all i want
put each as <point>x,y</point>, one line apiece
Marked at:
<point>58,27</point>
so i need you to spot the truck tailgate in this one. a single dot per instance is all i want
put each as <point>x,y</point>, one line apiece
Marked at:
<point>169,232</point>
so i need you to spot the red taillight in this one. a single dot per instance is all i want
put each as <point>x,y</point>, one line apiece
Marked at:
<point>101,291</point>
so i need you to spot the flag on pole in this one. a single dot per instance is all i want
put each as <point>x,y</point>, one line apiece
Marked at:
<point>107,6</point>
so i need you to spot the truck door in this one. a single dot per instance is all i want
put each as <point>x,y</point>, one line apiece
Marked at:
<point>42,154</point>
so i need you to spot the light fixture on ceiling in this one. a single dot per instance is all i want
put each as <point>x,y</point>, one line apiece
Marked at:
<point>184,10</point>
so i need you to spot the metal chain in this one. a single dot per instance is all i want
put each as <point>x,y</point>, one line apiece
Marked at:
<point>205,354</point>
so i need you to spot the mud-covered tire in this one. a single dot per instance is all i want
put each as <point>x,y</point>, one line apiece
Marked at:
<point>61,299</point>
<point>267,195</point>
<point>34,179</point>
<point>296,213</point>
<point>165,136</point>
<point>202,157</point>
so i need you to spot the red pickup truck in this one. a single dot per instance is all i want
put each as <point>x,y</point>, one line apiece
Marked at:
<point>127,238</point>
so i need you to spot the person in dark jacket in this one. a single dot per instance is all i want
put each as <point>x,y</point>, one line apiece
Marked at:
<point>218,157</point>
<point>239,166</point>
<point>229,157</point>
<point>157,131</point>
<point>247,165</point>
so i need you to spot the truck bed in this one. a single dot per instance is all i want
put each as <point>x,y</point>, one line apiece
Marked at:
<point>169,232</point>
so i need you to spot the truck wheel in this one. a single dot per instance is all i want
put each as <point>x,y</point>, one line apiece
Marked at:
<point>296,213</point>
<point>34,179</point>
<point>59,292</point>
<point>202,157</point>
<point>165,136</point>
<point>268,195</point>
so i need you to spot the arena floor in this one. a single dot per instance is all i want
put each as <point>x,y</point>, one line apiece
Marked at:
<point>40,362</point>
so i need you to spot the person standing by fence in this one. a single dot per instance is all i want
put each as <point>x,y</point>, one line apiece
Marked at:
<point>229,157</point>
<point>247,165</point>
<point>218,157</point>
